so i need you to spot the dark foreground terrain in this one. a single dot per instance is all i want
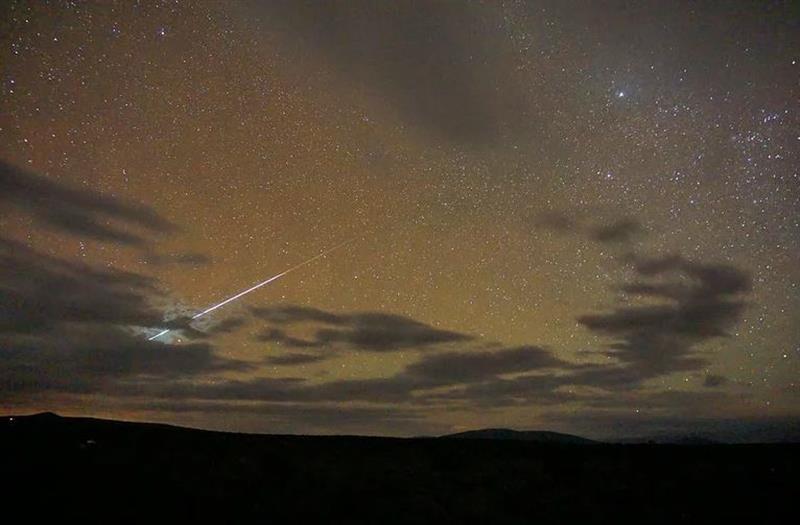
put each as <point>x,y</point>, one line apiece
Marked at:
<point>114,472</point>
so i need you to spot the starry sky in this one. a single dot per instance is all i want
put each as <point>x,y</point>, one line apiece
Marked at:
<point>563,215</point>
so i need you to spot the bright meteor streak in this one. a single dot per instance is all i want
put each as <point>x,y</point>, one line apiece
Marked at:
<point>256,287</point>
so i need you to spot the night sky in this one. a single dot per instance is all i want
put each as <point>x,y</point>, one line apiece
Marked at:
<point>573,216</point>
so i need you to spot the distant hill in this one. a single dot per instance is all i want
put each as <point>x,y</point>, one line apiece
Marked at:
<point>536,436</point>
<point>51,420</point>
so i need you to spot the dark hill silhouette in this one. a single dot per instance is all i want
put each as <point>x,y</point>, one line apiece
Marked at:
<point>535,436</point>
<point>99,471</point>
<point>41,417</point>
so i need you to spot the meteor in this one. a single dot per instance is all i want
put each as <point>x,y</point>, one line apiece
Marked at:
<point>256,287</point>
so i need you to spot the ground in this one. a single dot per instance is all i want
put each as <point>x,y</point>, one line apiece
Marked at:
<point>112,472</point>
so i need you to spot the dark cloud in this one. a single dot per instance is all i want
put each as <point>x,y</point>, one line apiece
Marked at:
<point>545,389</point>
<point>78,211</point>
<point>446,369</point>
<point>92,359</point>
<point>369,331</point>
<point>395,389</point>
<point>66,326</point>
<point>439,64</point>
<point>385,332</point>
<point>295,359</point>
<point>225,326</point>
<point>622,230</point>
<point>534,390</point>
<point>278,336</point>
<point>69,327</point>
<point>38,291</point>
<point>700,302</point>
<point>713,381</point>
<point>203,328</point>
<point>432,371</point>
<point>283,389</point>
<point>209,326</point>
<point>466,366</point>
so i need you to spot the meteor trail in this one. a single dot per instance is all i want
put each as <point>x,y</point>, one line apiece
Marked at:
<point>256,287</point>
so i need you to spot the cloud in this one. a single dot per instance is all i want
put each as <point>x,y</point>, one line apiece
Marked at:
<point>210,326</point>
<point>447,369</point>
<point>622,230</point>
<point>368,331</point>
<point>385,332</point>
<point>39,291</point>
<point>439,65</point>
<point>78,211</point>
<point>295,359</point>
<point>432,371</point>
<point>468,366</point>
<point>533,390</point>
<point>226,326</point>
<point>713,381</point>
<point>278,336</point>
<point>69,327</point>
<point>699,302</point>
<point>91,359</point>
